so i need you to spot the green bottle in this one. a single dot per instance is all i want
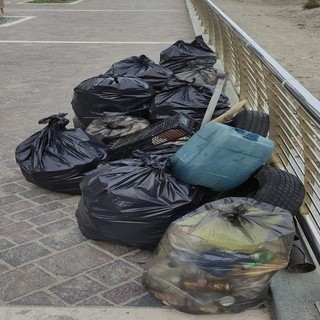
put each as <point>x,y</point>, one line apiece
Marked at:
<point>261,258</point>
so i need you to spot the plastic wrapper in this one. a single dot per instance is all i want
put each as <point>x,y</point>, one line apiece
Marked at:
<point>183,55</point>
<point>143,68</point>
<point>133,201</point>
<point>221,257</point>
<point>95,96</point>
<point>190,98</point>
<point>110,128</point>
<point>57,158</point>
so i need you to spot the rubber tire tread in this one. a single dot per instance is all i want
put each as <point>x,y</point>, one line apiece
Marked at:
<point>253,121</point>
<point>271,185</point>
<point>279,188</point>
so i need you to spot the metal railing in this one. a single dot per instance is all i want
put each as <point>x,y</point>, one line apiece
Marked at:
<point>294,113</point>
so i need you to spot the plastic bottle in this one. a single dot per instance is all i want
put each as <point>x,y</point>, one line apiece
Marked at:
<point>263,258</point>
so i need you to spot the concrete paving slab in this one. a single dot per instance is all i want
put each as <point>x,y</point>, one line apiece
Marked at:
<point>114,313</point>
<point>122,26</point>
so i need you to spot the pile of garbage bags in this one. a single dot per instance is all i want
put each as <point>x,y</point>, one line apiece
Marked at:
<point>213,256</point>
<point>132,95</point>
<point>137,86</point>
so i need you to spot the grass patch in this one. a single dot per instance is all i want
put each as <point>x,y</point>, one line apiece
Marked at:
<point>51,1</point>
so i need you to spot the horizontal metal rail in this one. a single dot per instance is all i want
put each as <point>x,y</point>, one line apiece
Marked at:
<point>294,112</point>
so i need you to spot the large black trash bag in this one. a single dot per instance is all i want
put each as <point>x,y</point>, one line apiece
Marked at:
<point>163,151</point>
<point>183,55</point>
<point>133,201</point>
<point>143,68</point>
<point>183,96</point>
<point>201,74</point>
<point>57,158</point>
<point>125,95</point>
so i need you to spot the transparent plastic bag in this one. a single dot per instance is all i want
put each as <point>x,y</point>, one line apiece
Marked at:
<point>111,128</point>
<point>221,257</point>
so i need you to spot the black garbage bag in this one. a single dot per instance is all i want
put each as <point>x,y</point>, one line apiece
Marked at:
<point>133,201</point>
<point>183,96</point>
<point>163,151</point>
<point>126,95</point>
<point>183,55</point>
<point>220,258</point>
<point>201,74</point>
<point>143,68</point>
<point>57,158</point>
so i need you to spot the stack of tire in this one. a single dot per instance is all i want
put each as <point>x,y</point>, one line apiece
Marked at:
<point>274,186</point>
<point>269,184</point>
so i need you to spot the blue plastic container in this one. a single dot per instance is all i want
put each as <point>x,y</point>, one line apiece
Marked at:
<point>220,157</point>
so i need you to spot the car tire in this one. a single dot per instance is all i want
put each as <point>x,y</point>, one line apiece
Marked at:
<point>274,186</point>
<point>252,121</point>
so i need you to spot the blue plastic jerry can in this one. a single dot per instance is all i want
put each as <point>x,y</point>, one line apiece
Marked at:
<point>220,157</point>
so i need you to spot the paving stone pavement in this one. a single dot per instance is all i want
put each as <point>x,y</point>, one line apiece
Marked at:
<point>44,259</point>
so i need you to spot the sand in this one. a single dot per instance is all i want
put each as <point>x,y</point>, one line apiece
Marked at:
<point>289,33</point>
